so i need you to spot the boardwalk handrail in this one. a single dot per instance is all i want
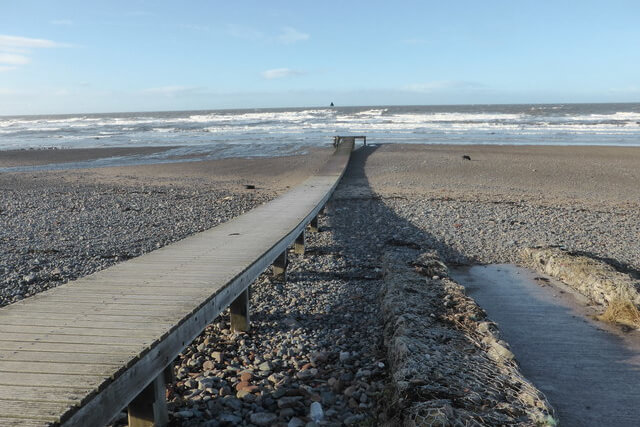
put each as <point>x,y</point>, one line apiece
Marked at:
<point>109,336</point>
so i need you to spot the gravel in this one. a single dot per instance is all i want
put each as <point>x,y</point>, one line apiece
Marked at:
<point>494,230</point>
<point>319,336</point>
<point>58,232</point>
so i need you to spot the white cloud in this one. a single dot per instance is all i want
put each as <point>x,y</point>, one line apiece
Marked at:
<point>280,73</point>
<point>441,85</point>
<point>13,59</point>
<point>64,22</point>
<point>26,42</point>
<point>290,35</point>
<point>14,50</point>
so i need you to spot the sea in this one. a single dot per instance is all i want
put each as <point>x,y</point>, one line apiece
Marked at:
<point>275,132</point>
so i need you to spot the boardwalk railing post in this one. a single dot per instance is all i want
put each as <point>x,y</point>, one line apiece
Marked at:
<point>280,267</point>
<point>298,245</point>
<point>149,408</point>
<point>240,312</point>
<point>313,225</point>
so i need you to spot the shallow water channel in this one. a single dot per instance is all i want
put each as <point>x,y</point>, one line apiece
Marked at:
<point>589,371</point>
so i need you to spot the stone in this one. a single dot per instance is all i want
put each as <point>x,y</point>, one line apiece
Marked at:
<point>230,418</point>
<point>265,367</point>
<point>307,374</point>
<point>289,401</point>
<point>350,391</point>
<point>318,357</point>
<point>295,422</point>
<point>245,376</point>
<point>263,418</point>
<point>208,365</point>
<point>205,383</point>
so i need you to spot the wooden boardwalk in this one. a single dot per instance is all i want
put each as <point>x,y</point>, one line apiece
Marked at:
<point>78,354</point>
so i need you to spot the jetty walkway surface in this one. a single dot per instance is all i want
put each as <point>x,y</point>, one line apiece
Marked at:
<point>589,374</point>
<point>76,355</point>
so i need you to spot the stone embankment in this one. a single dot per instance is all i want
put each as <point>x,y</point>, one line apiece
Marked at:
<point>595,279</point>
<point>447,363</point>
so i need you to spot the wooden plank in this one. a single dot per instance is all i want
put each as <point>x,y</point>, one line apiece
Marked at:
<point>42,394</point>
<point>95,359</point>
<point>46,411</point>
<point>181,288</point>
<point>5,421</point>
<point>71,348</point>
<point>84,331</point>
<point>109,314</point>
<point>80,382</point>
<point>56,368</point>
<point>134,342</point>
<point>81,324</point>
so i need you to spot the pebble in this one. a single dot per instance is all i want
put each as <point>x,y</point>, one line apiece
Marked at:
<point>57,231</point>
<point>263,418</point>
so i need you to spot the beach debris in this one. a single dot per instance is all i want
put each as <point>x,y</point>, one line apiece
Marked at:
<point>466,157</point>
<point>250,186</point>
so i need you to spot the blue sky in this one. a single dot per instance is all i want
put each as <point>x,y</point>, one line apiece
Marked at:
<point>81,56</point>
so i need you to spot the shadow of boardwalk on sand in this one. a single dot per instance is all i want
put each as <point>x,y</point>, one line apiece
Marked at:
<point>590,375</point>
<point>368,235</point>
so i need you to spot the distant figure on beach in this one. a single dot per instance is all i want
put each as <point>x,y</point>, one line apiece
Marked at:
<point>331,104</point>
<point>465,157</point>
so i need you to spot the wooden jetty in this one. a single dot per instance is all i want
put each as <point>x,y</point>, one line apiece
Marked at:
<point>78,354</point>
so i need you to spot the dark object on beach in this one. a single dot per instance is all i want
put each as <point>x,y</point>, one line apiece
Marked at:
<point>465,157</point>
<point>250,186</point>
<point>331,104</point>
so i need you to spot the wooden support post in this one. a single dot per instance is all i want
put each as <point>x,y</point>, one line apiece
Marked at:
<point>313,225</point>
<point>298,246</point>
<point>240,312</point>
<point>280,267</point>
<point>149,408</point>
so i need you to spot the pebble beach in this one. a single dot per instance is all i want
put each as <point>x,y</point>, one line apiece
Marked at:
<point>321,340</point>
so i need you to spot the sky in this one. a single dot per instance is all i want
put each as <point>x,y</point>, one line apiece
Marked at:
<point>111,56</point>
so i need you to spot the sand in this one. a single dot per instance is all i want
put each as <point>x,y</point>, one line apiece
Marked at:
<point>591,174</point>
<point>403,199</point>
<point>267,173</point>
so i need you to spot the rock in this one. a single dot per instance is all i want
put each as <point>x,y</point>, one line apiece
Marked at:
<point>349,391</point>
<point>287,413</point>
<point>263,418</point>
<point>315,412</point>
<point>318,357</point>
<point>246,376</point>
<point>265,367</point>
<point>289,401</point>
<point>205,383</point>
<point>307,375</point>
<point>498,351</point>
<point>295,422</point>
<point>344,356</point>
<point>230,418</point>
<point>208,365</point>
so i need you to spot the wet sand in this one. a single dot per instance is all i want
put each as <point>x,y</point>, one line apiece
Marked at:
<point>267,173</point>
<point>592,174</point>
<point>587,369</point>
